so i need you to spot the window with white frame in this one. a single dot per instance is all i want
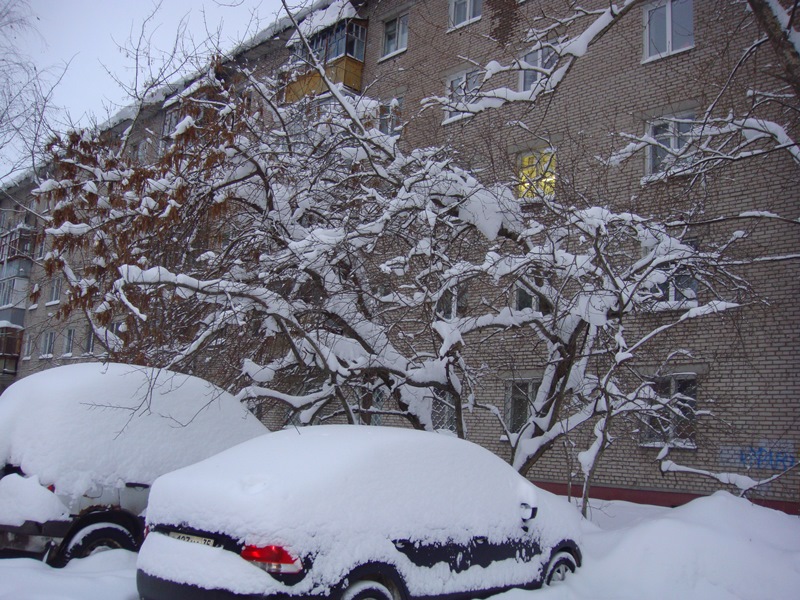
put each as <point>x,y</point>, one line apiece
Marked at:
<point>678,288</point>
<point>671,135</point>
<point>168,128</point>
<point>443,412</point>
<point>390,117</point>
<point>462,88</point>
<point>344,38</point>
<point>69,341</point>
<point>519,397</point>
<point>673,423</point>
<point>537,174</point>
<point>668,27</point>
<point>465,11</point>
<point>90,340</point>
<point>378,404</point>
<point>6,292</point>
<point>452,303</point>
<point>395,35</point>
<point>523,299</point>
<point>679,291</point>
<point>535,65</point>
<point>55,290</point>
<point>30,346</point>
<point>48,344</point>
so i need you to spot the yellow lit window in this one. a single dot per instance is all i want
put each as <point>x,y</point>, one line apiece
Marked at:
<point>537,174</point>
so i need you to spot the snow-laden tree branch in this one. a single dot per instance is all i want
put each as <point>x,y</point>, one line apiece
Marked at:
<point>325,268</point>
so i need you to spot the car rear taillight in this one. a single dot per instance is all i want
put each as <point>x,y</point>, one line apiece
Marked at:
<point>273,559</point>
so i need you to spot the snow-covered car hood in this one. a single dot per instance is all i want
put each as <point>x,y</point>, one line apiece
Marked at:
<point>89,425</point>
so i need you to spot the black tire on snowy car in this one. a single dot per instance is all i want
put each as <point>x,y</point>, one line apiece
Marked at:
<point>561,565</point>
<point>367,590</point>
<point>93,539</point>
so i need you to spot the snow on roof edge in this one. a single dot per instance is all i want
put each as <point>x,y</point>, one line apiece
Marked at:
<point>165,92</point>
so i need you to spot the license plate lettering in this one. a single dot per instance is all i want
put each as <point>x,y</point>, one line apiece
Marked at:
<point>195,539</point>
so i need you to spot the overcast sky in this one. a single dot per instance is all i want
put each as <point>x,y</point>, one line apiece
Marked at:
<point>85,34</point>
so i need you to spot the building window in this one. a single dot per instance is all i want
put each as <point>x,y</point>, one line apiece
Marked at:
<point>537,174</point>
<point>674,424</point>
<point>90,340</point>
<point>443,412</point>
<point>520,394</point>
<point>535,65</point>
<point>462,88</point>
<point>30,346</point>
<point>6,292</point>
<point>390,118</point>
<point>69,341</point>
<point>141,151</point>
<point>679,291</point>
<point>48,344</point>
<point>452,303</point>
<point>344,38</point>
<point>55,290</point>
<point>395,35</point>
<point>523,299</point>
<point>378,404</point>
<point>170,123</point>
<point>671,135</point>
<point>465,11</point>
<point>669,27</point>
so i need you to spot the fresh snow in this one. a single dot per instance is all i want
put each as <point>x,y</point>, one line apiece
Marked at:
<point>24,499</point>
<point>92,424</point>
<point>715,548</point>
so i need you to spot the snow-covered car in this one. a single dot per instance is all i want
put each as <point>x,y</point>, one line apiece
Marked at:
<point>352,513</point>
<point>81,444</point>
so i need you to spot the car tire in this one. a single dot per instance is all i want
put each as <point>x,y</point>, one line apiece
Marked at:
<point>561,565</point>
<point>97,538</point>
<point>367,590</point>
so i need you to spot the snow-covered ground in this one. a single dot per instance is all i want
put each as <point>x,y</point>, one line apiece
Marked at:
<point>715,548</point>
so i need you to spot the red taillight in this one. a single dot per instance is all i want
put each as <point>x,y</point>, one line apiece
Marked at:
<point>273,559</point>
<point>52,488</point>
<point>146,531</point>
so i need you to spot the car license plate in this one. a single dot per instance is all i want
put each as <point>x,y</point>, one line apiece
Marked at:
<point>195,539</point>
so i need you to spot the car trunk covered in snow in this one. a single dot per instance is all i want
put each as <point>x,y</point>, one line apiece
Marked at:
<point>333,495</point>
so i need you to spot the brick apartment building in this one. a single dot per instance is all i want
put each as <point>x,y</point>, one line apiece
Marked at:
<point>662,63</point>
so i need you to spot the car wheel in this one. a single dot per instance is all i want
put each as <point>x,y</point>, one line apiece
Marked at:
<point>561,565</point>
<point>97,538</point>
<point>367,590</point>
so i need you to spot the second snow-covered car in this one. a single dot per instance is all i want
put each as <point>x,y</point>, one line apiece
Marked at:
<point>352,513</point>
<point>81,444</point>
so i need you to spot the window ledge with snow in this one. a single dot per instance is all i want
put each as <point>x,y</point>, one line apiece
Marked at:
<point>666,305</point>
<point>674,444</point>
<point>655,57</point>
<point>463,24</point>
<point>457,118</point>
<point>52,303</point>
<point>392,55</point>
